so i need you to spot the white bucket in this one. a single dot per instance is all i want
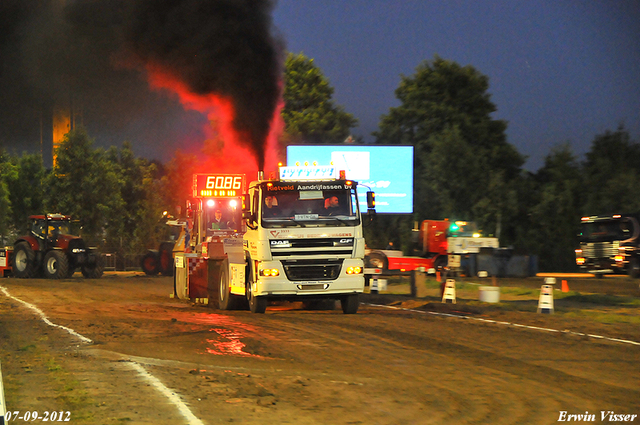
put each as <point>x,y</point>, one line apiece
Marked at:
<point>378,284</point>
<point>490,294</point>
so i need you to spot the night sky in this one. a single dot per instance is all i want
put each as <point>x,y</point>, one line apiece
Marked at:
<point>559,71</point>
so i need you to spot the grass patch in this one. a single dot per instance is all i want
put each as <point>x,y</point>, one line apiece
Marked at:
<point>520,292</point>
<point>29,347</point>
<point>604,317</point>
<point>602,299</point>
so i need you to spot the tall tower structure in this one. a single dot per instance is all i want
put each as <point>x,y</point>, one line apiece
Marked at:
<point>61,126</point>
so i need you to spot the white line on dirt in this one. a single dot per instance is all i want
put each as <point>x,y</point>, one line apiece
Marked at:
<point>172,396</point>
<point>44,317</point>
<point>517,325</point>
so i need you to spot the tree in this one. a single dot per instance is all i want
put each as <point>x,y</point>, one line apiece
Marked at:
<point>612,170</point>
<point>26,185</point>
<point>86,185</point>
<point>6,170</point>
<point>309,113</point>
<point>460,150</point>
<point>554,210</point>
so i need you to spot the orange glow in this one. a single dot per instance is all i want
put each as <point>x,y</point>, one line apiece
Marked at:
<point>227,149</point>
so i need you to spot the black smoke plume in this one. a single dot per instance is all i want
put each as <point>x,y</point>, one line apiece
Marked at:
<point>72,51</point>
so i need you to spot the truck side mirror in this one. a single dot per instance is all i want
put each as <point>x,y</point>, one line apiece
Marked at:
<point>246,209</point>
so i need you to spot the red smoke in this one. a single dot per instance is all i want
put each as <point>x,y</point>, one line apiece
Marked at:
<point>225,149</point>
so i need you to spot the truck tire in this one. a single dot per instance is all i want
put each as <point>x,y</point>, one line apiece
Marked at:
<point>165,258</point>
<point>634,268</point>
<point>441,262</point>
<point>24,261</point>
<point>150,263</point>
<point>93,271</point>
<point>350,304</point>
<point>377,260</point>
<point>226,300</point>
<point>56,265</point>
<point>257,304</point>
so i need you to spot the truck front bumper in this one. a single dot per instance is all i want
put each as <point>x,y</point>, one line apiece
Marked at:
<point>281,286</point>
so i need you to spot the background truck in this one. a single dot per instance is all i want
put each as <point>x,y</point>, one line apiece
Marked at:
<point>301,240</point>
<point>433,242</point>
<point>609,244</point>
<point>51,249</point>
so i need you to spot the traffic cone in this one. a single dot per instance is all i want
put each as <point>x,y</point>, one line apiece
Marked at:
<point>565,286</point>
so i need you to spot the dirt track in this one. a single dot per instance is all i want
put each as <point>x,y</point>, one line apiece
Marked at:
<point>381,366</point>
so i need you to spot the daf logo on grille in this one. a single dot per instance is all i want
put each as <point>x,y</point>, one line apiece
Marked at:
<point>346,241</point>
<point>280,243</point>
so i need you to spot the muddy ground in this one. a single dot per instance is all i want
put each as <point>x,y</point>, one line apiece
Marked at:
<point>152,359</point>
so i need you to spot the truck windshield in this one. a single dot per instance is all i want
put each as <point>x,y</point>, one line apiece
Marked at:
<point>606,230</point>
<point>324,207</point>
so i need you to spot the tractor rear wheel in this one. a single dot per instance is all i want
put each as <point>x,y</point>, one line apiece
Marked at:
<point>56,265</point>
<point>24,261</point>
<point>150,263</point>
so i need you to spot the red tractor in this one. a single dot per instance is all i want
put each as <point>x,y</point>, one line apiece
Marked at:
<point>50,249</point>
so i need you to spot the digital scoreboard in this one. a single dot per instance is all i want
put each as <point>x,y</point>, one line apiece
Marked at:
<point>218,185</point>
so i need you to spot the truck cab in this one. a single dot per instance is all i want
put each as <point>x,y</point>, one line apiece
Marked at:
<point>609,244</point>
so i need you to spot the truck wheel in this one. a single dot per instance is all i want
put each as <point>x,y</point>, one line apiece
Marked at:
<point>150,264</point>
<point>634,268</point>
<point>226,300</point>
<point>350,304</point>
<point>441,262</point>
<point>93,271</point>
<point>256,304</point>
<point>56,265</point>
<point>377,260</point>
<point>24,261</point>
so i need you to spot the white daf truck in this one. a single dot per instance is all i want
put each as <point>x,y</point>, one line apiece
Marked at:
<point>302,241</point>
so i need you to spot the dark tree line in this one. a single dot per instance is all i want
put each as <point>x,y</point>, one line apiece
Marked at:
<point>464,169</point>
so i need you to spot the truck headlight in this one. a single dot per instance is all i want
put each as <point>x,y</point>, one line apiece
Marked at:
<point>269,272</point>
<point>354,270</point>
<point>619,258</point>
<point>77,250</point>
<point>580,261</point>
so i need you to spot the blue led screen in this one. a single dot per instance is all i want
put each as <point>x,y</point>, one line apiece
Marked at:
<point>386,170</point>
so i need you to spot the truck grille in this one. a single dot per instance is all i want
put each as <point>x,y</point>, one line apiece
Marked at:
<point>313,246</point>
<point>600,249</point>
<point>299,270</point>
